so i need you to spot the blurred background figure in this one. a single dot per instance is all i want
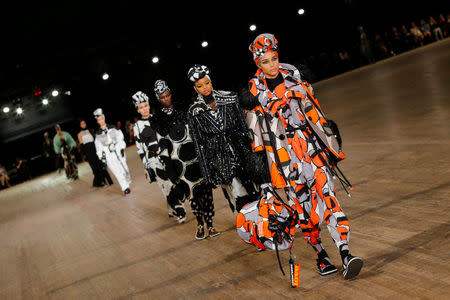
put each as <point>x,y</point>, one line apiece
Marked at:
<point>426,31</point>
<point>129,136</point>
<point>22,170</point>
<point>417,34</point>
<point>65,145</point>
<point>366,51</point>
<point>86,140</point>
<point>4,178</point>
<point>52,161</point>
<point>407,39</point>
<point>443,25</point>
<point>437,31</point>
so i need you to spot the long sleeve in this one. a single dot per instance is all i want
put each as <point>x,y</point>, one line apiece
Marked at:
<point>120,140</point>
<point>56,144</point>
<point>139,145</point>
<point>98,147</point>
<point>198,140</point>
<point>69,139</point>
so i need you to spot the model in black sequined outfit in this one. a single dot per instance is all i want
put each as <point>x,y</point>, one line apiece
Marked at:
<point>221,138</point>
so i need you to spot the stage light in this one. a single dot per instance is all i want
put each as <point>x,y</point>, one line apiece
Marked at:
<point>55,93</point>
<point>68,93</point>
<point>45,101</point>
<point>105,76</point>
<point>6,109</point>
<point>155,59</point>
<point>19,110</point>
<point>204,44</point>
<point>301,11</point>
<point>253,27</point>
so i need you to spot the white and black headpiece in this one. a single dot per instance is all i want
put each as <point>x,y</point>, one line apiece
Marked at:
<point>198,72</point>
<point>160,88</point>
<point>139,97</point>
<point>98,113</point>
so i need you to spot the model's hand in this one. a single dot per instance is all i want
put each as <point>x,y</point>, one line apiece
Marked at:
<point>154,163</point>
<point>150,175</point>
<point>122,152</point>
<point>64,156</point>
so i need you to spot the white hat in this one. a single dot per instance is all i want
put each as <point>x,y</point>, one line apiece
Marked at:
<point>98,113</point>
<point>139,97</point>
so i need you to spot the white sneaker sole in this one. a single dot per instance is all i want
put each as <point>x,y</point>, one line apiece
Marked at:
<point>328,273</point>
<point>200,238</point>
<point>213,235</point>
<point>354,266</point>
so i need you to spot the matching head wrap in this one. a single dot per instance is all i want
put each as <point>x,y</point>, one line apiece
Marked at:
<point>198,72</point>
<point>262,44</point>
<point>139,97</point>
<point>160,88</point>
<point>98,113</point>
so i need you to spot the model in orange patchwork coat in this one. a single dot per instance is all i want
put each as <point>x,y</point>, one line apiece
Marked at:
<point>287,123</point>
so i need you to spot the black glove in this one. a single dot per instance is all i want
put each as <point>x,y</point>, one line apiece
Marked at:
<point>122,152</point>
<point>152,175</point>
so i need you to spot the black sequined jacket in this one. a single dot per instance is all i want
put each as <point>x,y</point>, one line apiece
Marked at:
<point>221,138</point>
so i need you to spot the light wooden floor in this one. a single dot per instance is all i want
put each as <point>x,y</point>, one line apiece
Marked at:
<point>71,241</point>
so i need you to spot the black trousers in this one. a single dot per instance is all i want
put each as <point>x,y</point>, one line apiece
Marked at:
<point>100,173</point>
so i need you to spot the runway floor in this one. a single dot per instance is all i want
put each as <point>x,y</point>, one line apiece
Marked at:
<point>64,240</point>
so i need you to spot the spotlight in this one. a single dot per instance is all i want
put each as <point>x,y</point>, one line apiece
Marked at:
<point>68,93</point>
<point>55,93</point>
<point>301,11</point>
<point>45,101</point>
<point>155,59</point>
<point>19,110</point>
<point>204,44</point>
<point>253,27</point>
<point>6,109</point>
<point>105,76</point>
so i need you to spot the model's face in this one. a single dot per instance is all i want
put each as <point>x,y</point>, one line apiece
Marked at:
<point>83,125</point>
<point>269,64</point>
<point>166,99</point>
<point>101,121</point>
<point>144,109</point>
<point>203,86</point>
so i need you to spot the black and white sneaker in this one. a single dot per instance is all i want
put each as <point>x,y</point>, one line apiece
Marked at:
<point>352,266</point>
<point>180,213</point>
<point>212,232</point>
<point>325,266</point>
<point>181,219</point>
<point>200,234</point>
<point>127,192</point>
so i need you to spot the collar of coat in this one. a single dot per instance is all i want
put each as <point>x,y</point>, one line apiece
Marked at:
<point>290,74</point>
<point>221,97</point>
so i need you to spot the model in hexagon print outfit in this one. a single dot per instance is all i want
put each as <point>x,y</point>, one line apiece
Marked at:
<point>168,154</point>
<point>288,124</point>
<point>110,147</point>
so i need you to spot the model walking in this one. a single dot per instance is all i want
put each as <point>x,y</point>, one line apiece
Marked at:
<point>110,147</point>
<point>167,151</point>
<point>287,122</point>
<point>221,138</point>
<point>86,140</point>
